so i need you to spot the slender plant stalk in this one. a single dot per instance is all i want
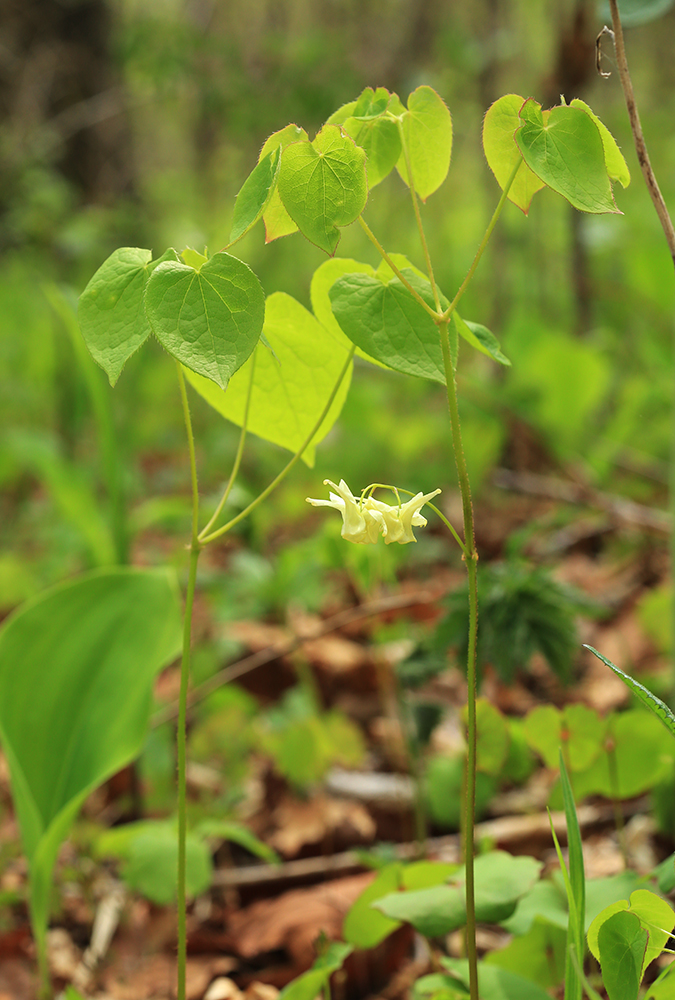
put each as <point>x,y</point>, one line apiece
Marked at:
<point>484,242</point>
<point>195,549</point>
<point>471,560</point>
<point>240,451</point>
<point>469,552</point>
<point>205,539</point>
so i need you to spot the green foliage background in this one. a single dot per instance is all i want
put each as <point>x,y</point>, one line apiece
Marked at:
<point>582,305</point>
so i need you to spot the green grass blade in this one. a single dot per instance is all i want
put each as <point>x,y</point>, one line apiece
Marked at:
<point>654,704</point>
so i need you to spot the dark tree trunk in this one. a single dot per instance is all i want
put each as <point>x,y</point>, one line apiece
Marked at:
<point>61,103</point>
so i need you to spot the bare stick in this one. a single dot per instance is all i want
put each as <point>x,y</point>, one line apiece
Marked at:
<point>636,127</point>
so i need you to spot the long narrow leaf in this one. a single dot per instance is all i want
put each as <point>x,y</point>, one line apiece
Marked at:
<point>577,886</point>
<point>654,704</point>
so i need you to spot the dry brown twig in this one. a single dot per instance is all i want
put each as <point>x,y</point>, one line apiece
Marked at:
<point>616,34</point>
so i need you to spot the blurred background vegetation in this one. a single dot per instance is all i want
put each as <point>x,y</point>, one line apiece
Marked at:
<point>135,122</point>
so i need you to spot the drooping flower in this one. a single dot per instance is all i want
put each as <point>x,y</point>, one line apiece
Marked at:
<point>365,519</point>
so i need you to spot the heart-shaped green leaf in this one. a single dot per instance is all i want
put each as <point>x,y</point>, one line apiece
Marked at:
<point>255,194</point>
<point>655,915</point>
<point>622,943</point>
<point>277,220</point>
<point>152,862</point>
<point>76,672</point>
<point>386,322</point>
<point>567,153</point>
<point>427,130</point>
<point>111,310</point>
<point>323,185</point>
<point>502,153</point>
<point>380,139</point>
<point>371,103</point>
<point>208,319</point>
<point>292,379</point>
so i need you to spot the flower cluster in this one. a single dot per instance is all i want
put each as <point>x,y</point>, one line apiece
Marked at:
<point>365,519</point>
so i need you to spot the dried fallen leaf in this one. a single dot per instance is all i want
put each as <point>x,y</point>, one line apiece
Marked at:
<point>293,921</point>
<point>301,822</point>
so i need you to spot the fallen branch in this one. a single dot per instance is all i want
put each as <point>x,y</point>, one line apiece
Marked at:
<point>507,831</point>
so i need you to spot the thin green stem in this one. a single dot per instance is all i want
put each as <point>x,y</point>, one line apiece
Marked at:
<point>484,242</point>
<point>193,458</point>
<point>182,781</point>
<point>181,736</point>
<point>399,274</point>
<point>44,977</point>
<point>471,560</point>
<point>206,539</point>
<point>237,459</point>
<point>418,217</point>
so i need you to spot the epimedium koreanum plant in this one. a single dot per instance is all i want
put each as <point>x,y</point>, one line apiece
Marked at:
<point>281,372</point>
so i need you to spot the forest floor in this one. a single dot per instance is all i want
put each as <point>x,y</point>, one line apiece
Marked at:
<point>256,928</point>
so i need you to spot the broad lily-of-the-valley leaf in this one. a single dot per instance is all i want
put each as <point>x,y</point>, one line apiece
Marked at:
<point>76,671</point>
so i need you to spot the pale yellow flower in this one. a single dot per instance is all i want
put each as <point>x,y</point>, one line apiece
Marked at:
<point>364,520</point>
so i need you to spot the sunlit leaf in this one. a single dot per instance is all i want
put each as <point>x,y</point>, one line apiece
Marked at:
<point>616,166</point>
<point>427,128</point>
<point>292,379</point>
<point>502,153</point>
